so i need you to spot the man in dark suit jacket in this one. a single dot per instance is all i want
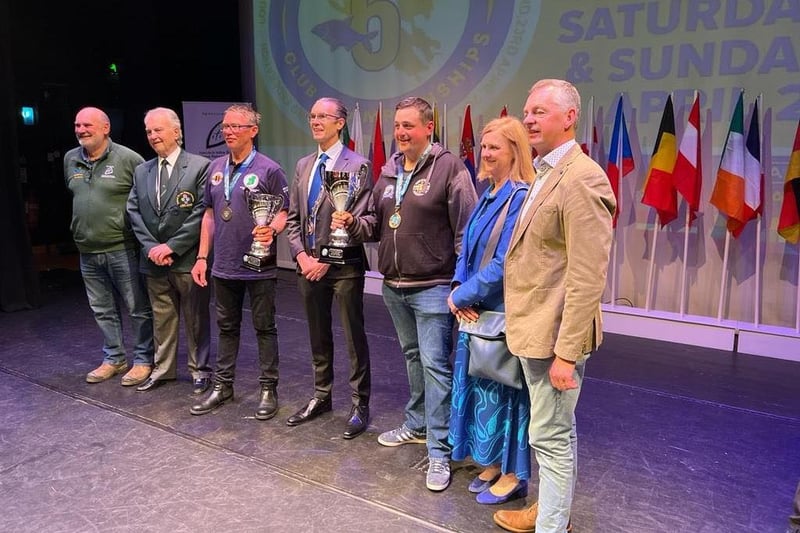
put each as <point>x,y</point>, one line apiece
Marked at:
<point>166,207</point>
<point>308,227</point>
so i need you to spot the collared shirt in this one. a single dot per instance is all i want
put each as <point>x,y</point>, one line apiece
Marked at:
<point>333,154</point>
<point>556,154</point>
<point>543,166</point>
<point>171,159</point>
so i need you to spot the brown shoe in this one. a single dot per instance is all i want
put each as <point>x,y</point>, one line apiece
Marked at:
<point>136,375</point>
<point>522,521</point>
<point>105,371</point>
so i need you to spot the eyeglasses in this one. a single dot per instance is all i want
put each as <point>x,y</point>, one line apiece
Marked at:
<point>235,127</point>
<point>321,116</point>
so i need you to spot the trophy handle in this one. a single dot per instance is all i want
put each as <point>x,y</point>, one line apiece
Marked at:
<point>362,172</point>
<point>361,175</point>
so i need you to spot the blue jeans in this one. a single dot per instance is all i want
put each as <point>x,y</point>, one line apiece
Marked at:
<point>424,328</point>
<point>554,441</point>
<point>111,278</point>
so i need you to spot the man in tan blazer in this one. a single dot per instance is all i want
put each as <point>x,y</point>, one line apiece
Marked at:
<point>555,274</point>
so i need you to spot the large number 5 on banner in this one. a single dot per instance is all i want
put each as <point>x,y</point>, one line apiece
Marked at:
<point>384,13</point>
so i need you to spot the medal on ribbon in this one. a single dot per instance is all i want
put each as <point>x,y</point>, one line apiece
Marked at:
<point>395,220</point>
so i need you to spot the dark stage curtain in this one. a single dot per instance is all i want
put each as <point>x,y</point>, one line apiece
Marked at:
<point>19,286</point>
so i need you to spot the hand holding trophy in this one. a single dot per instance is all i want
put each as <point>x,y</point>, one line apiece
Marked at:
<point>263,208</point>
<point>342,189</point>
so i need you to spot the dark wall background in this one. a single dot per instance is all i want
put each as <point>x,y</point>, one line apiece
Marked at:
<point>56,56</point>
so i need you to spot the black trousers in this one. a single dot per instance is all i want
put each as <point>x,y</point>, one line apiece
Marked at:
<point>318,299</point>
<point>230,299</point>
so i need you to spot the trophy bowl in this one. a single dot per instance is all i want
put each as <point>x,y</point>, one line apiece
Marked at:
<point>342,189</point>
<point>263,208</point>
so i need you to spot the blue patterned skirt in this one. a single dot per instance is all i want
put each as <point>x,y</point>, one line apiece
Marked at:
<point>488,421</point>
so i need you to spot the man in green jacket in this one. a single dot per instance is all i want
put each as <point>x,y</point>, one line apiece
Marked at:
<point>99,174</point>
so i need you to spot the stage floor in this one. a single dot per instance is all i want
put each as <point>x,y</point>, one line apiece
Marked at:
<point>673,438</point>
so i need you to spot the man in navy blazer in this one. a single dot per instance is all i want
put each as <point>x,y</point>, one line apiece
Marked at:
<point>166,207</point>
<point>308,227</point>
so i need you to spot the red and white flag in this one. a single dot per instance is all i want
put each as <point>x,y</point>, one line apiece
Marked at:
<point>688,173</point>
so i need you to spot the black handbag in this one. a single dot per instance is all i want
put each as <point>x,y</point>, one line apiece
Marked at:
<point>489,356</point>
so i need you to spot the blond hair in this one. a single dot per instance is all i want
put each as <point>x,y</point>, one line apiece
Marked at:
<point>511,129</point>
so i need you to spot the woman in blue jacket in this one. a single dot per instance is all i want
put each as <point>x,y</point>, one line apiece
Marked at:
<point>489,421</point>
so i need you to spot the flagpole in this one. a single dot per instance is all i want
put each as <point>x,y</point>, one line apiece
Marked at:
<point>741,171</point>
<point>797,298</point>
<point>757,297</point>
<point>590,127</point>
<point>614,271</point>
<point>619,210</point>
<point>686,229</point>
<point>652,266</point>
<point>724,271</point>
<point>586,141</point>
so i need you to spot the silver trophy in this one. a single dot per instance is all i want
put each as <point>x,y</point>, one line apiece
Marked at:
<point>342,189</point>
<point>263,207</point>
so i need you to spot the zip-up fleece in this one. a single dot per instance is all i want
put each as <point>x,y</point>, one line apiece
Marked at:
<point>99,197</point>
<point>422,250</point>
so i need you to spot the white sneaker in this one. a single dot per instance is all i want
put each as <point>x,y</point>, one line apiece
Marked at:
<point>401,435</point>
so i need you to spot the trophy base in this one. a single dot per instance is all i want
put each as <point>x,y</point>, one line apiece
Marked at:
<point>257,263</point>
<point>340,255</point>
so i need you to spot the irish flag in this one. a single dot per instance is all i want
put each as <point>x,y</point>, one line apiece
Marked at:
<point>729,188</point>
<point>753,177</point>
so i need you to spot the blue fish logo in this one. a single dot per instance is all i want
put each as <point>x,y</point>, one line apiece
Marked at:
<point>339,33</point>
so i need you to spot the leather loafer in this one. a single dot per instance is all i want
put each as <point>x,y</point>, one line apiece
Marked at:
<point>149,384</point>
<point>357,422</point>
<point>268,404</point>
<point>313,409</point>
<point>522,520</point>
<point>137,375</point>
<point>201,385</point>
<point>219,395</point>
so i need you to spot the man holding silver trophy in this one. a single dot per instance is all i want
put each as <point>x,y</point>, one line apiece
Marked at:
<point>244,189</point>
<point>423,199</point>
<point>333,177</point>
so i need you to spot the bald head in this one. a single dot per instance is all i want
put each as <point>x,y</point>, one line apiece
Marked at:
<point>92,129</point>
